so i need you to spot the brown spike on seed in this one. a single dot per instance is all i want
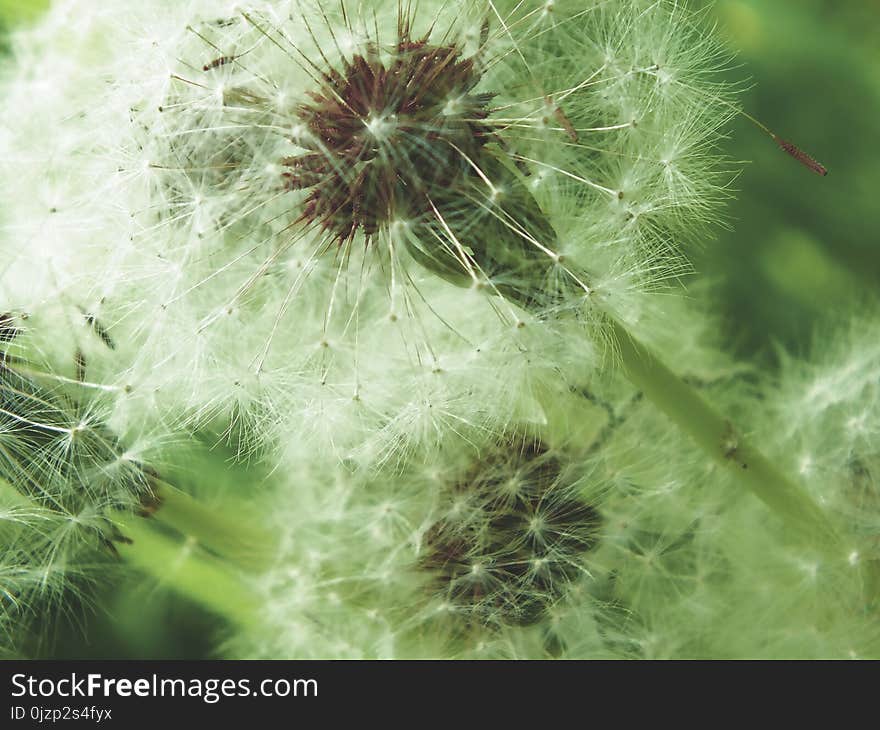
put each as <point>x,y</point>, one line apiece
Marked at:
<point>794,151</point>
<point>217,62</point>
<point>8,330</point>
<point>563,120</point>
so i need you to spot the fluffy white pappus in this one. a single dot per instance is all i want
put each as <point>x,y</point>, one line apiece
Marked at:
<point>362,228</point>
<point>468,556</point>
<point>689,566</point>
<point>651,551</point>
<point>63,473</point>
<point>826,410</point>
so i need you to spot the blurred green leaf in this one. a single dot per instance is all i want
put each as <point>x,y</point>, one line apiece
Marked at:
<point>16,11</point>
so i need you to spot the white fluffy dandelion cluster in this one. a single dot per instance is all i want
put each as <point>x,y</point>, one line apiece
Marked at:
<point>62,475</point>
<point>377,245</point>
<point>635,548</point>
<point>211,184</point>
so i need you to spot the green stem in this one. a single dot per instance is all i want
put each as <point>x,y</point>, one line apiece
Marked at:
<point>232,537</point>
<point>500,255</point>
<point>180,565</point>
<point>717,436</point>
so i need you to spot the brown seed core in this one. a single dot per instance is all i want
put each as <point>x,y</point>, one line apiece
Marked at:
<point>386,139</point>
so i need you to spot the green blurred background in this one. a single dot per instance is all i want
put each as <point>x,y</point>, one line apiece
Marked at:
<point>801,250</point>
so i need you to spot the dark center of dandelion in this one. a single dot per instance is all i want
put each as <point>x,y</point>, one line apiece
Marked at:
<point>513,539</point>
<point>385,141</point>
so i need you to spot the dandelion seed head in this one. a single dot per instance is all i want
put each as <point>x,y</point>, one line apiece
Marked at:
<point>227,187</point>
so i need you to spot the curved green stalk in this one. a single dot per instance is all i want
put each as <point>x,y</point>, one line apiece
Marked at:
<point>718,437</point>
<point>230,536</point>
<point>180,565</point>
